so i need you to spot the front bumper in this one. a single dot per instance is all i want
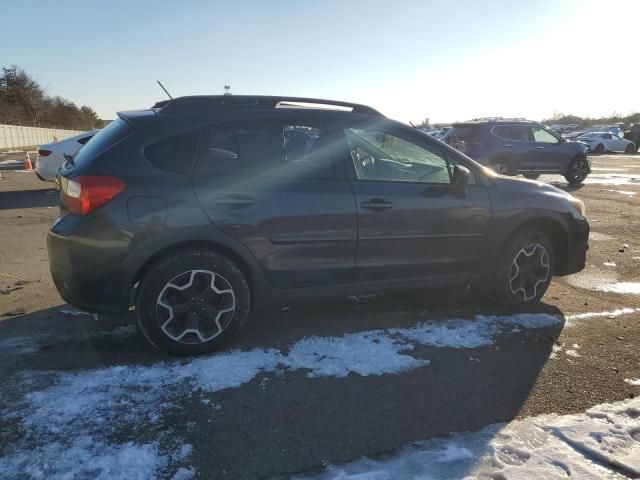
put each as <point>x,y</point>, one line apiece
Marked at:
<point>576,249</point>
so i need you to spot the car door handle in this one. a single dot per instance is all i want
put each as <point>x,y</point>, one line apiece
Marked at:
<point>235,201</point>
<point>540,148</point>
<point>377,204</point>
<point>509,145</point>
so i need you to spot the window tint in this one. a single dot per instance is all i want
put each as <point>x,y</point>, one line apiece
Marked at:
<point>302,150</point>
<point>517,133</point>
<point>378,155</point>
<point>542,135</point>
<point>176,153</point>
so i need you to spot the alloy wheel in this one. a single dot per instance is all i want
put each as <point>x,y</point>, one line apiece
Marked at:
<point>195,306</point>
<point>501,168</point>
<point>579,171</point>
<point>529,270</point>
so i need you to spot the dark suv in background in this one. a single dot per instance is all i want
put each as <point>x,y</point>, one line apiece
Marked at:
<point>519,146</point>
<point>201,208</point>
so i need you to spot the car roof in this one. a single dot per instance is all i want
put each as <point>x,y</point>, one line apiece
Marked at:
<point>205,103</point>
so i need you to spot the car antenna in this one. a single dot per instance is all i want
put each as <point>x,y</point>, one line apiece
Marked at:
<point>165,90</point>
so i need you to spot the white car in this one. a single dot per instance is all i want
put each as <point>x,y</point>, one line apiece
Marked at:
<point>51,156</point>
<point>600,142</point>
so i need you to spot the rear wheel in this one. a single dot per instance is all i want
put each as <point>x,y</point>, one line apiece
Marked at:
<point>599,148</point>
<point>577,171</point>
<point>192,301</point>
<point>630,148</point>
<point>531,176</point>
<point>501,166</point>
<point>525,268</point>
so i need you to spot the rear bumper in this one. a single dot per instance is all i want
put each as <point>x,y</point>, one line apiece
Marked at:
<point>91,274</point>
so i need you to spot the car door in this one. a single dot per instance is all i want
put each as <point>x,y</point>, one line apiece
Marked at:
<point>410,222</point>
<point>548,152</point>
<point>513,145</point>
<point>617,144</point>
<point>274,185</point>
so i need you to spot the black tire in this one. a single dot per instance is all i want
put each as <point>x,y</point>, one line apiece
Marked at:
<point>577,171</point>
<point>631,148</point>
<point>599,148</point>
<point>501,166</point>
<point>172,284</point>
<point>539,251</point>
<point>531,176</point>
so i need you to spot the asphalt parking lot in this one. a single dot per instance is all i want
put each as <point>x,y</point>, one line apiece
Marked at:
<point>308,384</point>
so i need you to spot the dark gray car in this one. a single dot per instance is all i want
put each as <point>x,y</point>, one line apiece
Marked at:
<point>200,209</point>
<point>511,147</point>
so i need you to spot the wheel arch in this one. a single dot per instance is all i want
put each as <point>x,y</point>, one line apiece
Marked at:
<point>243,259</point>
<point>556,232</point>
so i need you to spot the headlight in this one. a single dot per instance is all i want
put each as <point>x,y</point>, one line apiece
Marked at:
<point>578,205</point>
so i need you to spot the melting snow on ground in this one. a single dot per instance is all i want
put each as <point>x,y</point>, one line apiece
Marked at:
<point>69,421</point>
<point>603,443</point>
<point>620,287</point>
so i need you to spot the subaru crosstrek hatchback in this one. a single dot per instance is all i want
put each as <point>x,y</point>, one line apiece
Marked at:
<point>519,146</point>
<point>199,209</point>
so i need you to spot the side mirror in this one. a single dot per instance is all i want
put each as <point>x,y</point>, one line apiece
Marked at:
<point>460,179</point>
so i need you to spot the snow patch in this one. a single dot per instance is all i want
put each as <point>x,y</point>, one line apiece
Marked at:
<point>620,287</point>
<point>72,417</point>
<point>609,264</point>
<point>544,447</point>
<point>633,381</point>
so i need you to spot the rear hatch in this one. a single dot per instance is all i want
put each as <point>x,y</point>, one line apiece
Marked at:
<point>80,193</point>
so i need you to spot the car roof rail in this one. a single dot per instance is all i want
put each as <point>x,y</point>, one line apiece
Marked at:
<point>203,103</point>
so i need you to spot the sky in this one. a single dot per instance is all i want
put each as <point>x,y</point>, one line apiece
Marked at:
<point>409,59</point>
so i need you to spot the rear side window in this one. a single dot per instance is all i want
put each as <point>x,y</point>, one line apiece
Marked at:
<point>280,149</point>
<point>466,134</point>
<point>174,154</point>
<point>517,133</point>
<point>84,140</point>
<point>105,138</point>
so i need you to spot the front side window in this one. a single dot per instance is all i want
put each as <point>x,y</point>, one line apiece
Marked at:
<point>379,155</point>
<point>302,149</point>
<point>543,136</point>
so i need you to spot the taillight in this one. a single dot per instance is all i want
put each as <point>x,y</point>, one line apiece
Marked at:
<point>44,153</point>
<point>85,193</point>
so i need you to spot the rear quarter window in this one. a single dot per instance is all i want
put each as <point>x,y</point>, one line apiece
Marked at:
<point>113,133</point>
<point>176,153</point>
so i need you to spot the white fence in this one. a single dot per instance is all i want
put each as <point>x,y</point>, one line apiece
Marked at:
<point>12,136</point>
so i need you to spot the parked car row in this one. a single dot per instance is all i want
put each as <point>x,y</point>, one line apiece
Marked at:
<point>201,209</point>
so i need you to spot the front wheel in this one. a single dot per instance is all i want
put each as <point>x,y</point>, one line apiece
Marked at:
<point>525,269</point>
<point>577,171</point>
<point>192,301</point>
<point>531,176</point>
<point>599,148</point>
